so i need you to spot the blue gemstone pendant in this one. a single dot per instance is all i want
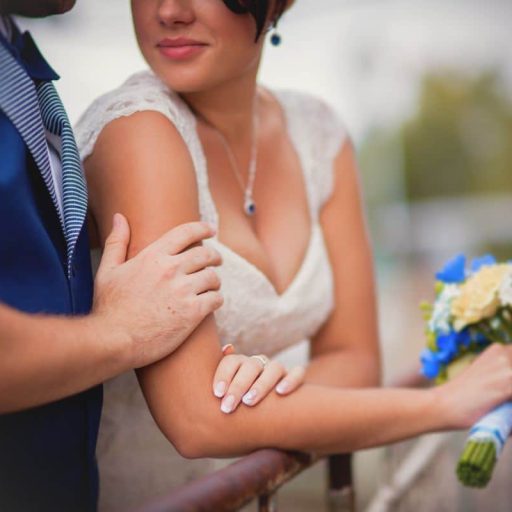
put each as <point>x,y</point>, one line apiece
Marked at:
<point>249,207</point>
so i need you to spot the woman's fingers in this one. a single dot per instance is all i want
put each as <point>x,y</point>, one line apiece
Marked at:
<point>247,373</point>
<point>225,373</point>
<point>265,383</point>
<point>226,370</point>
<point>244,379</point>
<point>293,380</point>
<point>228,349</point>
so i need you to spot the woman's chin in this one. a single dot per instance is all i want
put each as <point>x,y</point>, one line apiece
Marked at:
<point>184,83</point>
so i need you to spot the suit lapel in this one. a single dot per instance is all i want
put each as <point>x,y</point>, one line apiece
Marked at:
<point>18,100</point>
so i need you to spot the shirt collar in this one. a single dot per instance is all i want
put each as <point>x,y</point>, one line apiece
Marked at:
<point>6,27</point>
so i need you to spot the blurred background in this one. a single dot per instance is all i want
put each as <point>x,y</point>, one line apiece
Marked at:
<point>425,89</point>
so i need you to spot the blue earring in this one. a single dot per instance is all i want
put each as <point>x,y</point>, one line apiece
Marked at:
<point>275,38</point>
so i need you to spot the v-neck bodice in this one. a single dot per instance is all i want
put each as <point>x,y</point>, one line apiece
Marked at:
<point>254,317</point>
<point>258,319</point>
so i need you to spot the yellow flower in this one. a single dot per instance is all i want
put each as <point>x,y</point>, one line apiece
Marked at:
<point>459,365</point>
<point>479,297</point>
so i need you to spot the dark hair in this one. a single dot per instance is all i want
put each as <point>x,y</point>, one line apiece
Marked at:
<point>259,10</point>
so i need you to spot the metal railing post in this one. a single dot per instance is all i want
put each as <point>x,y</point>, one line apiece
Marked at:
<point>267,503</point>
<point>340,491</point>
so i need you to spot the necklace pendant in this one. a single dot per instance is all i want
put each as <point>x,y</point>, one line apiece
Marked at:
<point>249,206</point>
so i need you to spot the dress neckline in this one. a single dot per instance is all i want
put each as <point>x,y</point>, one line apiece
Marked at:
<point>281,295</point>
<point>280,99</point>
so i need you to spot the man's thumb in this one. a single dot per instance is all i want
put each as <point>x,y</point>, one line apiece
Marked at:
<point>116,245</point>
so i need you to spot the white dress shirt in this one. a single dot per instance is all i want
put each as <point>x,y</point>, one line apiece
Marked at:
<point>53,141</point>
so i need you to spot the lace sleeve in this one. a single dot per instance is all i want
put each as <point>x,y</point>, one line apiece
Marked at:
<point>141,92</point>
<point>318,134</point>
<point>330,136</point>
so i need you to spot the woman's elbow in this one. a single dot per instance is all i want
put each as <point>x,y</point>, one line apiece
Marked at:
<point>194,445</point>
<point>196,438</point>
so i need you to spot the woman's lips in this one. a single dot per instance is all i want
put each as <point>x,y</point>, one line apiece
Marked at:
<point>180,48</point>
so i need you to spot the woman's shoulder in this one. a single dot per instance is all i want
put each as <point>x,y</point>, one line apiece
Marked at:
<point>305,103</point>
<point>312,116</point>
<point>319,135</point>
<point>141,92</point>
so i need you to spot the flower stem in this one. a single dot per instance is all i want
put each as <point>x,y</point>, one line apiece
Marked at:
<point>476,463</point>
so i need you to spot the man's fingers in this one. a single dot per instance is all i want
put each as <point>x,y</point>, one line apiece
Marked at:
<point>181,237</point>
<point>197,258</point>
<point>203,281</point>
<point>209,302</point>
<point>116,245</point>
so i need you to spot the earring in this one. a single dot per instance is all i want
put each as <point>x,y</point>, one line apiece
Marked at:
<point>275,38</point>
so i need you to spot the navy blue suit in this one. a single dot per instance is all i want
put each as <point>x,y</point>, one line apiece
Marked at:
<point>47,460</point>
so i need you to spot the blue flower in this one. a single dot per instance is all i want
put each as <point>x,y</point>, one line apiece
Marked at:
<point>483,261</point>
<point>453,270</point>
<point>447,347</point>
<point>430,365</point>
<point>464,338</point>
<point>481,339</point>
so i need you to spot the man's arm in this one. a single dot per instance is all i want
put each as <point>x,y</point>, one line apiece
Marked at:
<point>143,310</point>
<point>44,358</point>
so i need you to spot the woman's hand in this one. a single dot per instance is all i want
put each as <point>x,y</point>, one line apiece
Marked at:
<point>249,379</point>
<point>485,384</point>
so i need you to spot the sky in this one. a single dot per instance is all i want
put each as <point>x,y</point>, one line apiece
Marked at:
<point>365,57</point>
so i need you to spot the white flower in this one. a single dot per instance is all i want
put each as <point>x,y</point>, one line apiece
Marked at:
<point>442,312</point>
<point>479,299</point>
<point>505,291</point>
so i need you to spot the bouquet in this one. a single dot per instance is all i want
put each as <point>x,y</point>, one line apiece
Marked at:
<point>472,309</point>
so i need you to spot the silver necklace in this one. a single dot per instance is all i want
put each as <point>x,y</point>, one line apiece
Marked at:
<point>249,203</point>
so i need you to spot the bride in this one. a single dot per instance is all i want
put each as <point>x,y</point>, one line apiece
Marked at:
<point>274,172</point>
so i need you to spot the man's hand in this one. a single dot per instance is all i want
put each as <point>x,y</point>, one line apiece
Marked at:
<point>152,302</point>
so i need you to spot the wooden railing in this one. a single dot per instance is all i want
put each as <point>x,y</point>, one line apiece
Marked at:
<point>260,475</point>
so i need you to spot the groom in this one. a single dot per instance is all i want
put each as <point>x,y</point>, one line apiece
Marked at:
<point>55,352</point>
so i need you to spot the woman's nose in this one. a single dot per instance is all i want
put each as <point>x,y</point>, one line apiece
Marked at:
<point>176,12</point>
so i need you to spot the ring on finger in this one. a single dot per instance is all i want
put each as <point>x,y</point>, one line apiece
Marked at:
<point>263,360</point>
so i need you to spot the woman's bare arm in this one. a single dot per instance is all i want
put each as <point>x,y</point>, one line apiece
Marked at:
<point>345,352</point>
<point>141,168</point>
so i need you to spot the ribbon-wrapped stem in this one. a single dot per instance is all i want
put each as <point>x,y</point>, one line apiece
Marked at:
<point>484,446</point>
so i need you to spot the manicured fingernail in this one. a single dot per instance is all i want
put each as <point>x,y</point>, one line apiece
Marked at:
<point>249,397</point>
<point>228,404</point>
<point>220,389</point>
<point>283,387</point>
<point>228,349</point>
<point>117,220</point>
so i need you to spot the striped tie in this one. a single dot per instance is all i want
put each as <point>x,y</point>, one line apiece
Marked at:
<point>74,191</point>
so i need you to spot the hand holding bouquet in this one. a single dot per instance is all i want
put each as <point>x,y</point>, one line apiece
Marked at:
<point>472,309</point>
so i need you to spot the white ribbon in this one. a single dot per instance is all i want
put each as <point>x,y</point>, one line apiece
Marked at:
<point>495,426</point>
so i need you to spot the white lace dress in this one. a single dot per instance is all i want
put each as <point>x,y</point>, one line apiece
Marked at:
<point>136,462</point>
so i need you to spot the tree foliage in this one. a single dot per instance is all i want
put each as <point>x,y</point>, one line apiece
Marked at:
<point>460,140</point>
